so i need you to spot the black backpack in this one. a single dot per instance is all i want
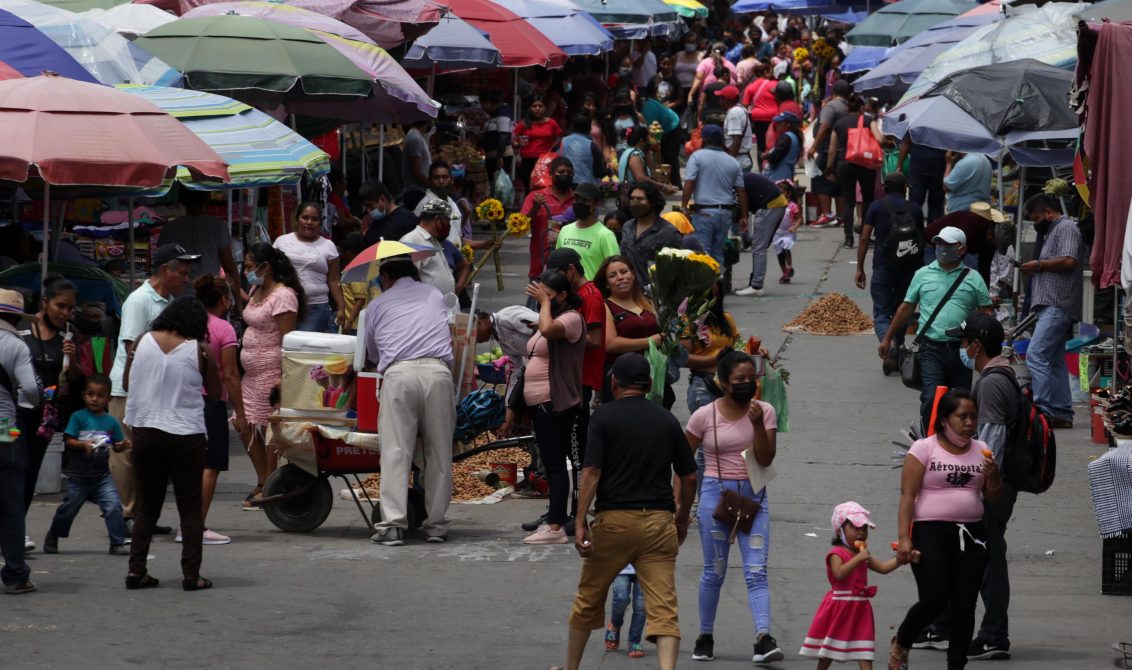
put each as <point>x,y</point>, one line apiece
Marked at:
<point>1030,462</point>
<point>904,246</point>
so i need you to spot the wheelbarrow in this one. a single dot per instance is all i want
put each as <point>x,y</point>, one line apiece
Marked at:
<point>296,501</point>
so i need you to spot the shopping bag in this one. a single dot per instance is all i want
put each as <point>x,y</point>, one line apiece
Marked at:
<point>503,190</point>
<point>695,141</point>
<point>862,148</point>
<point>540,176</point>
<point>774,392</point>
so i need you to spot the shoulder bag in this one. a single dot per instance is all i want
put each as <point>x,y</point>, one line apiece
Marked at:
<point>734,509</point>
<point>909,356</point>
<point>861,148</point>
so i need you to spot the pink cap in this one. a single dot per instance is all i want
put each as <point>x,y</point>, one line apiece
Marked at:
<point>853,513</point>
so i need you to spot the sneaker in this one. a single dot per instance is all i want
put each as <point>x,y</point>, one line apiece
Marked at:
<point>848,243</point>
<point>767,651</point>
<point>546,535</point>
<point>749,291</point>
<point>29,544</point>
<point>636,650</point>
<point>212,537</point>
<point>26,586</point>
<point>129,527</point>
<point>436,539</point>
<point>118,550</point>
<point>784,279</point>
<point>161,530</point>
<point>532,526</point>
<point>981,650</point>
<point>705,648</point>
<point>928,639</point>
<point>823,221</point>
<point>390,537</point>
<point>51,543</point>
<point>612,637</point>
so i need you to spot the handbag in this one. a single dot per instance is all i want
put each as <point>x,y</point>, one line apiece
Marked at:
<point>861,148</point>
<point>908,356</point>
<point>734,509</point>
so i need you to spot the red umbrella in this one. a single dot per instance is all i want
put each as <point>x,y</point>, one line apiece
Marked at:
<point>80,134</point>
<point>8,72</point>
<point>518,41</point>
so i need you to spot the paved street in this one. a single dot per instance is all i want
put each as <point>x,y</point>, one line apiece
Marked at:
<point>331,598</point>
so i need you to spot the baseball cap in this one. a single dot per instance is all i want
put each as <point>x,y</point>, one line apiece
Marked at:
<point>12,302</point>
<point>950,235</point>
<point>172,252</point>
<point>788,117</point>
<point>588,191</point>
<point>562,258</point>
<point>729,92</point>
<point>713,131</point>
<point>853,513</point>
<point>436,208</point>
<point>978,326</point>
<point>632,370</point>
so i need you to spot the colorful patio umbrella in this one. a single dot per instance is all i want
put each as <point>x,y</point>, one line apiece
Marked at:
<point>30,52</point>
<point>8,72</point>
<point>819,7</point>
<point>363,267</point>
<point>108,56</point>
<point>520,43</point>
<point>130,20</point>
<point>892,24</point>
<point>259,150</point>
<point>634,19</point>
<point>689,9</point>
<point>292,15</point>
<point>389,23</point>
<point>84,5</point>
<point>572,30</point>
<point>453,44</point>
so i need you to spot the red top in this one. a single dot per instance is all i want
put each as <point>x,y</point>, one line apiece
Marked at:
<point>541,137</point>
<point>539,221</point>
<point>788,106</point>
<point>759,98</point>
<point>630,325</point>
<point>593,311</point>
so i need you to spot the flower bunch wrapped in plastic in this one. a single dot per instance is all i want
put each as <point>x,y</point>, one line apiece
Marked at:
<point>681,290</point>
<point>518,224</point>
<point>490,210</point>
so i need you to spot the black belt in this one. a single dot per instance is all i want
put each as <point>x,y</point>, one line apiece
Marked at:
<point>949,344</point>
<point>728,207</point>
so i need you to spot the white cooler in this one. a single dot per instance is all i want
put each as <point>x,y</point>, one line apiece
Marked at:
<point>318,375</point>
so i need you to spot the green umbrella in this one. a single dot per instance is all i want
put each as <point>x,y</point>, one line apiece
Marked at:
<point>230,53</point>
<point>84,5</point>
<point>892,24</point>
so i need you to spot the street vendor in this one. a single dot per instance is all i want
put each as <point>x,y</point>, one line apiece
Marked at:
<point>433,229</point>
<point>407,332</point>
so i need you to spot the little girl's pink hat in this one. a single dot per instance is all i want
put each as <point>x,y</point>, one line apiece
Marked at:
<point>853,513</point>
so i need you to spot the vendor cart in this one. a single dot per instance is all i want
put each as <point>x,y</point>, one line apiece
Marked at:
<point>298,497</point>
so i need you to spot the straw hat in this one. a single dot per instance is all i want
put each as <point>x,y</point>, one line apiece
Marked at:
<point>984,210</point>
<point>12,302</point>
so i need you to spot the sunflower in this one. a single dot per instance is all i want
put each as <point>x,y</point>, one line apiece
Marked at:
<point>706,260</point>
<point>490,210</point>
<point>468,252</point>
<point>518,224</point>
<point>801,54</point>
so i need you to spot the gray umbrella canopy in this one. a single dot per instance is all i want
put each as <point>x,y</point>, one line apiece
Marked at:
<point>892,24</point>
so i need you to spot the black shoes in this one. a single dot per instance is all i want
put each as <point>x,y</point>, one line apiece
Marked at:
<point>51,543</point>
<point>767,651</point>
<point>705,648</point>
<point>981,650</point>
<point>928,639</point>
<point>532,526</point>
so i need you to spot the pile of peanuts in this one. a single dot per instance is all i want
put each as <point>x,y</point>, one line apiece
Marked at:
<point>831,314</point>
<point>465,485</point>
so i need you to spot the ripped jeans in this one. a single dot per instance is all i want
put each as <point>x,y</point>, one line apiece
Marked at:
<point>754,548</point>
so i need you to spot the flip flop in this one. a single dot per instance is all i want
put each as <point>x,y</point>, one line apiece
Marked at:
<point>198,584</point>
<point>143,581</point>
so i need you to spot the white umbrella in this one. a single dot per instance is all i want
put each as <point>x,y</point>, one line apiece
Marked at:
<point>130,20</point>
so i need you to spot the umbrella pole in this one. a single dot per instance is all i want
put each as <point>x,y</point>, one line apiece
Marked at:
<point>431,79</point>
<point>46,232</point>
<point>381,154</point>
<point>515,111</point>
<point>342,148</point>
<point>130,253</point>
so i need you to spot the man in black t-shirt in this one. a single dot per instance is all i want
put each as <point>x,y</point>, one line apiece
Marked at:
<point>384,218</point>
<point>634,446</point>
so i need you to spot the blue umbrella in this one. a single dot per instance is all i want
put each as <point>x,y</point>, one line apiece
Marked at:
<point>788,6</point>
<point>454,44</point>
<point>904,63</point>
<point>633,19</point>
<point>30,52</point>
<point>846,15</point>
<point>572,30</point>
<point>863,58</point>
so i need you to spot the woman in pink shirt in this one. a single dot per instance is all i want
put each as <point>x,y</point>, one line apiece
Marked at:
<point>714,67</point>
<point>945,478</point>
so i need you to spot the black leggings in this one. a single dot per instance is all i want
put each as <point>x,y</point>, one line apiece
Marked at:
<point>526,167</point>
<point>849,177</point>
<point>759,129</point>
<point>557,435</point>
<point>947,578</point>
<point>28,421</point>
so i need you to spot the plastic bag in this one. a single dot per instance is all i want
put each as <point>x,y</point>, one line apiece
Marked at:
<point>503,190</point>
<point>774,392</point>
<point>540,176</point>
<point>812,169</point>
<point>891,156</point>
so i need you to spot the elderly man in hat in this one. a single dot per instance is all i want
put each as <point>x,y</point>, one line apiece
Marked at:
<point>713,179</point>
<point>18,386</point>
<point>431,231</point>
<point>945,292</point>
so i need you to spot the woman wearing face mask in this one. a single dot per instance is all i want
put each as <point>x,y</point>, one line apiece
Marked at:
<point>535,135</point>
<point>552,391</point>
<point>725,429</point>
<point>316,260</point>
<point>945,479</point>
<point>646,233</point>
<point>632,167</point>
<point>625,119</point>
<point>623,76</point>
<point>276,305</point>
<point>687,59</point>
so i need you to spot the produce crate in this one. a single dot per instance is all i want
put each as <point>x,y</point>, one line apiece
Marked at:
<point>1116,565</point>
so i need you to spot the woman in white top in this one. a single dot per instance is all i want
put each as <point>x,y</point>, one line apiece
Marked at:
<point>165,410</point>
<point>687,61</point>
<point>316,260</point>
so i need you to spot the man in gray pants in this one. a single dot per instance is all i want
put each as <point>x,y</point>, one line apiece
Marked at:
<point>769,205</point>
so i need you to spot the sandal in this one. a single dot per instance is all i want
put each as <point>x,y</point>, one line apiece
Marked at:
<point>142,581</point>
<point>198,584</point>
<point>249,502</point>
<point>897,656</point>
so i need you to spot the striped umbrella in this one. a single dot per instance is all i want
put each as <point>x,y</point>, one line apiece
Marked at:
<point>689,9</point>
<point>259,150</point>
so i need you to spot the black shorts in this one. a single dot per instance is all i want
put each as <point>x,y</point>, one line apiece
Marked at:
<point>823,186</point>
<point>216,426</point>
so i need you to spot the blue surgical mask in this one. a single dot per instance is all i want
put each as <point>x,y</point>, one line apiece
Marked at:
<point>568,86</point>
<point>948,254</point>
<point>376,214</point>
<point>252,277</point>
<point>967,360</point>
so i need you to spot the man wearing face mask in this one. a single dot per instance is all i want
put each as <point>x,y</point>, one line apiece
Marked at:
<point>407,334</point>
<point>940,364</point>
<point>588,236</point>
<point>644,63</point>
<point>1055,296</point>
<point>432,230</point>
<point>384,219</point>
<point>439,188</point>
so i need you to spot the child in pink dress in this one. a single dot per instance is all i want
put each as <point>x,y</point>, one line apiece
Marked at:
<point>842,629</point>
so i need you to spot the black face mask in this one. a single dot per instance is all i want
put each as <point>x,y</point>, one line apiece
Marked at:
<point>563,181</point>
<point>742,392</point>
<point>1042,226</point>
<point>583,210</point>
<point>440,191</point>
<point>638,210</point>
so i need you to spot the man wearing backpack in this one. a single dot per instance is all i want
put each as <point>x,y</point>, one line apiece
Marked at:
<point>999,400</point>
<point>898,230</point>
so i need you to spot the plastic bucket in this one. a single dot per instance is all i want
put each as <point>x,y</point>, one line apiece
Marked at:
<point>1096,418</point>
<point>50,478</point>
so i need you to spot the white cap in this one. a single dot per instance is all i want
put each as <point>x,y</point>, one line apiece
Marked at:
<point>950,235</point>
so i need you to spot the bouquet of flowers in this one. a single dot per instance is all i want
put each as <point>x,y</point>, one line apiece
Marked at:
<point>681,289</point>
<point>468,253</point>
<point>518,224</point>
<point>490,210</point>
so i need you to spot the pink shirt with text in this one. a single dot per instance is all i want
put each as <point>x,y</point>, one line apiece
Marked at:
<point>952,488</point>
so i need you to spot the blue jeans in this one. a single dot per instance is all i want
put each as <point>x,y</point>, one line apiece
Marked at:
<point>13,460</point>
<point>888,289</point>
<point>766,222</point>
<point>927,188</point>
<point>711,227</point>
<point>939,366</point>
<point>1046,360</point>
<point>623,586</point>
<point>99,491</point>
<point>317,319</point>
<point>753,547</point>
